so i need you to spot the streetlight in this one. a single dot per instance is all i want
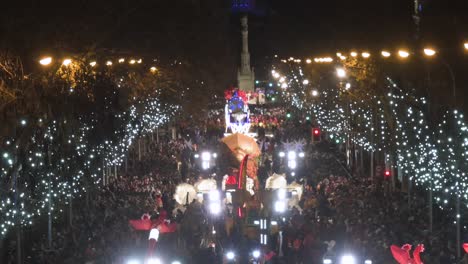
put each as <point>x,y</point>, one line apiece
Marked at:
<point>466,45</point>
<point>109,63</point>
<point>305,82</point>
<point>46,61</point>
<point>353,54</point>
<point>308,61</point>
<point>365,55</point>
<point>66,62</point>
<point>403,54</point>
<point>315,93</point>
<point>93,63</point>
<point>327,261</point>
<point>340,72</point>
<point>385,53</point>
<point>153,69</point>
<point>429,52</point>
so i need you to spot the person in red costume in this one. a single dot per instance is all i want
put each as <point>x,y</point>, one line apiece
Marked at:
<point>157,226</point>
<point>402,255</point>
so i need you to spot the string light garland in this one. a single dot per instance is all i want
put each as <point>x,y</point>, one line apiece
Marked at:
<point>433,156</point>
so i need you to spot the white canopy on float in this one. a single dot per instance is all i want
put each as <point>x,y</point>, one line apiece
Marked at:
<point>182,191</point>
<point>276,181</point>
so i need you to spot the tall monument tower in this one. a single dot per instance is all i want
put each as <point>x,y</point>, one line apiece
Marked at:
<point>245,75</point>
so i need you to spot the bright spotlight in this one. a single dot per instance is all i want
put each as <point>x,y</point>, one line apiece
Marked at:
<point>133,261</point>
<point>281,194</point>
<point>92,64</point>
<point>465,45</point>
<point>368,261</point>
<point>256,253</point>
<point>301,154</point>
<point>230,255</point>
<point>314,93</point>
<point>206,156</point>
<point>280,206</point>
<point>196,156</point>
<point>154,261</point>
<point>215,155</point>
<point>291,155</point>
<point>215,208</point>
<point>348,259</point>
<point>292,164</point>
<point>293,174</point>
<point>347,86</point>
<point>341,73</point>
<point>109,63</point>
<point>305,82</point>
<point>205,165</point>
<point>46,61</point>
<point>327,261</point>
<point>176,262</point>
<point>214,195</point>
<point>281,154</point>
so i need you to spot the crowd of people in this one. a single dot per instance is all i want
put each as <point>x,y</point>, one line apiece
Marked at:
<point>99,231</point>
<point>337,213</point>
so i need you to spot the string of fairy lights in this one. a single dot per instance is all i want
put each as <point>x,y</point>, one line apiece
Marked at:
<point>46,162</point>
<point>432,155</point>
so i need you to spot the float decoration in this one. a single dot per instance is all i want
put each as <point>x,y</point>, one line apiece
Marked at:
<point>237,114</point>
<point>402,255</point>
<point>156,227</point>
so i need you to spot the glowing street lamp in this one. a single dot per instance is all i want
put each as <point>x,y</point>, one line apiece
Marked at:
<point>153,69</point>
<point>315,93</point>
<point>429,52</point>
<point>109,63</point>
<point>308,61</point>
<point>66,62</point>
<point>353,54</point>
<point>93,63</point>
<point>365,55</point>
<point>385,53</point>
<point>466,45</point>
<point>341,73</point>
<point>46,61</point>
<point>403,54</point>
<point>305,82</point>
<point>132,61</point>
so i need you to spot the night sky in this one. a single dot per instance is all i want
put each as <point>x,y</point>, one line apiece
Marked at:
<point>206,32</point>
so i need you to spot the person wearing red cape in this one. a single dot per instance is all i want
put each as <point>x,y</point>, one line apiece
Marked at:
<point>156,227</point>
